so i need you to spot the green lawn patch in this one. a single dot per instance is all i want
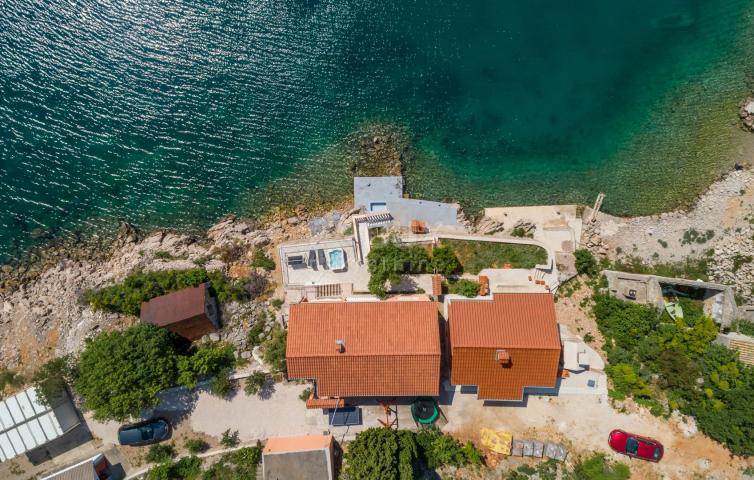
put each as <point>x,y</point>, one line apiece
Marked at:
<point>477,255</point>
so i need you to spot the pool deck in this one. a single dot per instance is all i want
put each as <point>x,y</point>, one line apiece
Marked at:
<point>354,273</point>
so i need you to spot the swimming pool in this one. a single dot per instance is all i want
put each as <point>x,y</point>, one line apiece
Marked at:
<point>336,257</point>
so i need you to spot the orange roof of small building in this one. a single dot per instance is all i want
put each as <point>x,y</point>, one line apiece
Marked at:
<point>174,307</point>
<point>505,344</point>
<point>297,444</point>
<point>389,348</point>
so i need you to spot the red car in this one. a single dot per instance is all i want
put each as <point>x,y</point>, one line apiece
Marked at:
<point>635,445</point>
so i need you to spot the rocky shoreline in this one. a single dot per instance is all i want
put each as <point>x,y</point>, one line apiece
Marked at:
<point>719,229</point>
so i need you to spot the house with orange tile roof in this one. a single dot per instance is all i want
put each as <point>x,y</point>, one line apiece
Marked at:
<point>308,457</point>
<point>366,348</point>
<point>504,344</point>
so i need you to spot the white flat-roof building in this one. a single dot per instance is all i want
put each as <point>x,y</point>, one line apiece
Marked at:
<point>26,424</point>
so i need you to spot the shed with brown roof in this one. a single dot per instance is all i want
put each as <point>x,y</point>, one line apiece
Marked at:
<point>189,312</point>
<point>505,344</point>
<point>366,349</point>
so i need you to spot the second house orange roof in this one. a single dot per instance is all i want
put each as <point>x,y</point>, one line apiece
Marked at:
<point>388,348</point>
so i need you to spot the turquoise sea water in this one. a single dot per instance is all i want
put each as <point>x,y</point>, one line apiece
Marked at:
<point>171,113</point>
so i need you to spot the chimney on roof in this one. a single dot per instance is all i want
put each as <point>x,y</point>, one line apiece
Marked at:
<point>340,345</point>
<point>503,357</point>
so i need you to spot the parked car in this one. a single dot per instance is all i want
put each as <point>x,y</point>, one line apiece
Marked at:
<point>143,433</point>
<point>635,445</point>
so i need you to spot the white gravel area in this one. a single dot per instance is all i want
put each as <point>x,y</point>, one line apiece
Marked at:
<point>256,418</point>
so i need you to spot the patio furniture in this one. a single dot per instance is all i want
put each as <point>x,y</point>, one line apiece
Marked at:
<point>312,260</point>
<point>322,259</point>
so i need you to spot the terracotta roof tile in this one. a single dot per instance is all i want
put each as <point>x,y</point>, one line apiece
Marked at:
<point>390,348</point>
<point>523,324</point>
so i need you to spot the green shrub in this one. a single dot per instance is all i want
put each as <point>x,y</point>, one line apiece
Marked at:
<point>597,467</point>
<point>9,377</point>
<point>742,326</point>
<point>274,349</point>
<point>120,373</point>
<point>196,445</point>
<point>240,464</point>
<point>221,385</point>
<point>465,287</point>
<point>444,260</point>
<point>585,262</point>
<point>188,468</point>
<point>255,383</point>
<point>387,261</point>
<point>262,260</point>
<point>277,303</point>
<point>160,453</point>
<point>305,394</point>
<point>127,297</point>
<point>229,438</point>
<point>52,378</point>
<point>740,260</point>
<point>206,361</point>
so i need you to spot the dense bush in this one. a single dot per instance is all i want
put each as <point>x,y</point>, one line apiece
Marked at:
<point>127,297</point>
<point>120,373</point>
<point>585,262</point>
<point>597,467</point>
<point>207,361</point>
<point>229,438</point>
<point>187,468</point>
<point>674,361</point>
<point>444,260</point>
<point>160,453</point>
<point>387,261</point>
<point>465,287</point>
<point>385,454</point>
<point>196,445</point>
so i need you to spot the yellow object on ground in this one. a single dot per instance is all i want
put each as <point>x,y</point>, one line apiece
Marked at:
<point>498,442</point>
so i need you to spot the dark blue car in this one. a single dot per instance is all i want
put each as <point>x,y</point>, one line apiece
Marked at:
<point>143,433</point>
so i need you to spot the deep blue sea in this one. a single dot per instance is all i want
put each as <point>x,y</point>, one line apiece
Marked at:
<point>172,113</point>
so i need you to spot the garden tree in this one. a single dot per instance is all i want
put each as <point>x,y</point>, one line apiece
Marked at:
<point>387,261</point>
<point>207,361</point>
<point>444,260</point>
<point>221,385</point>
<point>374,455</point>
<point>52,378</point>
<point>120,373</point>
<point>255,383</point>
<point>585,262</point>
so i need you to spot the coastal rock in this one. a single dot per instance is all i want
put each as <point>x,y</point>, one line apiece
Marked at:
<point>489,226</point>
